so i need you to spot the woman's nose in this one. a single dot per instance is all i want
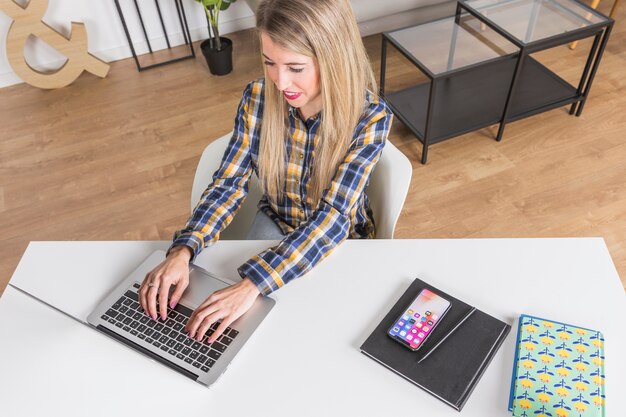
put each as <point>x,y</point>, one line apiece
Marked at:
<point>282,80</point>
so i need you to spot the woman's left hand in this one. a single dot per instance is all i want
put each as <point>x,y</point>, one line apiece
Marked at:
<point>227,304</point>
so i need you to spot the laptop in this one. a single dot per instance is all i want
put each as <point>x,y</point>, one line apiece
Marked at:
<point>121,317</point>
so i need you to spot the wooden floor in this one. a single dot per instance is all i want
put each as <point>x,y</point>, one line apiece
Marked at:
<point>114,159</point>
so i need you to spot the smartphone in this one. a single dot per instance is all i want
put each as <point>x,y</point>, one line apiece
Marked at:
<point>417,322</point>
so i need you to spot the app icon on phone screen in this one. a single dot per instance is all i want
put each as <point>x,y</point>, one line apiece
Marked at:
<point>419,319</point>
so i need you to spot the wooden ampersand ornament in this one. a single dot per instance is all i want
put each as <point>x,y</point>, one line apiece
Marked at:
<point>26,22</point>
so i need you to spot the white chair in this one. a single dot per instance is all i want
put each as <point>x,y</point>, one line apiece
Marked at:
<point>389,184</point>
<point>387,190</point>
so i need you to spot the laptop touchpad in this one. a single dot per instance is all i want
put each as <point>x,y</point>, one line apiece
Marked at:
<point>200,287</point>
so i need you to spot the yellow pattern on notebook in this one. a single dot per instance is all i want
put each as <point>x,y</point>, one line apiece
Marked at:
<point>558,372</point>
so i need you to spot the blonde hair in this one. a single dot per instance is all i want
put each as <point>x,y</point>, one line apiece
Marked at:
<point>325,30</point>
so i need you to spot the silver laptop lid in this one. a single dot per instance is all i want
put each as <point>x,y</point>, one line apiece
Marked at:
<point>120,317</point>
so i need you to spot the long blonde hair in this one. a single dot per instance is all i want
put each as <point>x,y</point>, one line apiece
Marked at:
<point>325,30</point>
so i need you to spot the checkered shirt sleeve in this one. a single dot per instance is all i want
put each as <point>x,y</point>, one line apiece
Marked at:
<point>329,224</point>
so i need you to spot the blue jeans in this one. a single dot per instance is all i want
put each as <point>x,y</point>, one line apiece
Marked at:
<point>264,228</point>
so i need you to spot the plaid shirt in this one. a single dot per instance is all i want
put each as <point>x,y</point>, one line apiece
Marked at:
<point>312,232</point>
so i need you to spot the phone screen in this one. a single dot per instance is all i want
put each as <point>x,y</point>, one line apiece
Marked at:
<point>414,326</point>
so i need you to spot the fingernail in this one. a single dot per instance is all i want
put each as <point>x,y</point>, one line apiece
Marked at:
<point>172,304</point>
<point>154,317</point>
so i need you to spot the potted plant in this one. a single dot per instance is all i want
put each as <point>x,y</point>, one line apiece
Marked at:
<point>218,51</point>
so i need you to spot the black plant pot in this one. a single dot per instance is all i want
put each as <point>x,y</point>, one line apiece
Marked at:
<point>219,62</point>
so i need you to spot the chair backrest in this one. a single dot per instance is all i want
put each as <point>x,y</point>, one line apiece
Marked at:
<point>387,190</point>
<point>389,184</point>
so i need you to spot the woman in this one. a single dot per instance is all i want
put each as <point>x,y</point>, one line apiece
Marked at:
<point>312,130</point>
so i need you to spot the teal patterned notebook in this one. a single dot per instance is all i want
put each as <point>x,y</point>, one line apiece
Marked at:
<point>558,370</point>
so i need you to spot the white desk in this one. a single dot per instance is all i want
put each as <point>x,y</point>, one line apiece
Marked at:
<point>304,359</point>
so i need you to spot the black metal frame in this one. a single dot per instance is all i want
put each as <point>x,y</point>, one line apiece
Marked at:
<point>425,136</point>
<point>182,18</point>
<point>598,30</point>
<point>569,94</point>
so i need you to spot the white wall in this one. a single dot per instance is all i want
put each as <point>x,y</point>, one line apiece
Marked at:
<point>105,32</point>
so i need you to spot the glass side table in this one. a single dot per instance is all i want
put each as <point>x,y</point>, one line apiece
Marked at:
<point>533,26</point>
<point>469,70</point>
<point>479,70</point>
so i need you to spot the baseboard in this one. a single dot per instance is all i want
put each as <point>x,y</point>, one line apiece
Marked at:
<point>9,78</point>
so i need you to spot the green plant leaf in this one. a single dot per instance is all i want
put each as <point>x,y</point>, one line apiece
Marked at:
<point>226,4</point>
<point>205,3</point>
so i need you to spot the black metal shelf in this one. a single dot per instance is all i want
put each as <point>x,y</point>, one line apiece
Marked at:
<point>539,90</point>
<point>495,91</point>
<point>475,99</point>
<point>182,18</point>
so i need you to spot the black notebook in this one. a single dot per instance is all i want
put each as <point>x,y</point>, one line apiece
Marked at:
<point>450,372</point>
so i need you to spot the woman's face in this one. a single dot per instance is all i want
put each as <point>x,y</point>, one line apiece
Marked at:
<point>296,76</point>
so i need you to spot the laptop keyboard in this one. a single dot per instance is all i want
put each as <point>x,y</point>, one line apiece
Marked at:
<point>169,336</point>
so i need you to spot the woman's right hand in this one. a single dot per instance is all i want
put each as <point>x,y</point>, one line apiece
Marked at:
<point>174,270</point>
